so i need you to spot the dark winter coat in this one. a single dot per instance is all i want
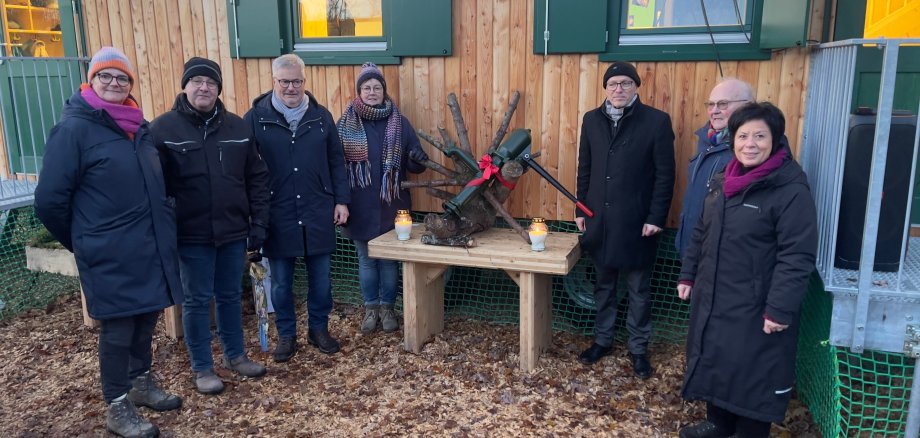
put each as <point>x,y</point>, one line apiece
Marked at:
<point>626,176</point>
<point>214,171</point>
<point>307,177</point>
<point>102,196</point>
<point>369,215</point>
<point>750,256</point>
<point>708,161</point>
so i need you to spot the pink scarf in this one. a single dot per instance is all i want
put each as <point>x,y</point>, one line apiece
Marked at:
<point>736,180</point>
<point>127,115</point>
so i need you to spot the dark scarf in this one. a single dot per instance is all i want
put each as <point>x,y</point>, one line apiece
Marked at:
<point>354,141</point>
<point>127,115</point>
<point>737,178</point>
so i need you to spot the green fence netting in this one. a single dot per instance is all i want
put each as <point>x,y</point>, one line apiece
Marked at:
<point>848,394</point>
<point>20,288</point>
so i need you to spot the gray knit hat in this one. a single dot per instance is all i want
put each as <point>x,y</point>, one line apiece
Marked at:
<point>110,57</point>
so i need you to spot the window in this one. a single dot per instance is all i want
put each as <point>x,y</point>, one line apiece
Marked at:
<point>670,30</point>
<point>341,31</point>
<point>340,26</point>
<point>675,22</point>
<point>340,18</point>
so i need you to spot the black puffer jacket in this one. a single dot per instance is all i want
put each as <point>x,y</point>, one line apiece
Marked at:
<point>750,255</point>
<point>214,171</point>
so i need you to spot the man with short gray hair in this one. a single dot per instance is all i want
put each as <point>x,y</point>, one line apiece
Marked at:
<point>310,194</point>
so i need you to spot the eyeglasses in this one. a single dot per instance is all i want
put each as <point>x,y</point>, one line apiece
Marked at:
<point>106,78</point>
<point>375,89</point>
<point>297,83</point>
<point>722,104</point>
<point>625,85</point>
<point>197,83</point>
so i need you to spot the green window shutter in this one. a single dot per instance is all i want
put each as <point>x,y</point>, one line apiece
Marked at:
<point>418,27</point>
<point>68,27</point>
<point>784,23</point>
<point>574,26</point>
<point>258,23</point>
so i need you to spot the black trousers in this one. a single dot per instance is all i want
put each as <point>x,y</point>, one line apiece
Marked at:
<point>124,352</point>
<point>639,314</point>
<point>742,427</point>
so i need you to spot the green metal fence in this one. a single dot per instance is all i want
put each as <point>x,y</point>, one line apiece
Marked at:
<point>848,394</point>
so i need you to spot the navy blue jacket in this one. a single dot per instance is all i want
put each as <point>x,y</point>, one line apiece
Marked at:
<point>214,171</point>
<point>708,161</point>
<point>307,177</point>
<point>370,216</point>
<point>102,195</point>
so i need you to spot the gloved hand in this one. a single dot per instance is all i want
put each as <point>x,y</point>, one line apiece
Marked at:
<point>418,155</point>
<point>257,235</point>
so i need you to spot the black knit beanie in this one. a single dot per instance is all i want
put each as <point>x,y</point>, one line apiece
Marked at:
<point>196,66</point>
<point>620,68</point>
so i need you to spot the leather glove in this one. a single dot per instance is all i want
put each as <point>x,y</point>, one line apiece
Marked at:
<point>418,155</point>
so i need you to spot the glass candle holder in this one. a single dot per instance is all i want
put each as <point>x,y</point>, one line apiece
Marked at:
<point>403,224</point>
<point>538,232</point>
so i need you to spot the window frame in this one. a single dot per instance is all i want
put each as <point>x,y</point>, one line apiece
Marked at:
<point>748,49</point>
<point>338,50</point>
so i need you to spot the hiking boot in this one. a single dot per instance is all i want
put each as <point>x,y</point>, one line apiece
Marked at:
<point>245,366</point>
<point>322,340</point>
<point>206,382</point>
<point>285,349</point>
<point>122,419</point>
<point>388,318</point>
<point>703,429</point>
<point>371,315</point>
<point>146,392</point>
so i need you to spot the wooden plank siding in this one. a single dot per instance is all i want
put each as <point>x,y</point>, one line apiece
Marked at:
<point>493,56</point>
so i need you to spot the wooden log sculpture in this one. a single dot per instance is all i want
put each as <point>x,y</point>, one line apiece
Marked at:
<point>487,183</point>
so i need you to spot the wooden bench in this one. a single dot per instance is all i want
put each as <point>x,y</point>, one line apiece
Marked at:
<point>61,261</point>
<point>423,281</point>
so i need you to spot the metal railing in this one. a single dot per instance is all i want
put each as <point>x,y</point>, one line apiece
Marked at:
<point>875,310</point>
<point>32,93</point>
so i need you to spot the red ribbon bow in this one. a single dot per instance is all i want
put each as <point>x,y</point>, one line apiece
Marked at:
<point>488,169</point>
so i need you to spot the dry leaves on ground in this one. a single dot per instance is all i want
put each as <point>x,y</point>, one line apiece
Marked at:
<point>465,382</point>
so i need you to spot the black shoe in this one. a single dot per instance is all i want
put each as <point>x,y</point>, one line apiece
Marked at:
<point>321,339</point>
<point>641,366</point>
<point>285,349</point>
<point>593,354</point>
<point>704,429</point>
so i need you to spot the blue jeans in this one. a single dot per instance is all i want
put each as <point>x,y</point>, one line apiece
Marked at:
<point>212,272</point>
<point>319,295</point>
<point>378,278</point>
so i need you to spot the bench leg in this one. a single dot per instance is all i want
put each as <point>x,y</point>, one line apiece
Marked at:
<point>172,319</point>
<point>87,320</point>
<point>423,303</point>
<point>536,317</point>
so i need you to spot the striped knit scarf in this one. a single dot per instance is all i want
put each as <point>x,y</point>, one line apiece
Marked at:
<point>354,140</point>
<point>717,137</point>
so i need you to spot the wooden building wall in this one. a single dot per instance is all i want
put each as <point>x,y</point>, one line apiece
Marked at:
<point>492,57</point>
